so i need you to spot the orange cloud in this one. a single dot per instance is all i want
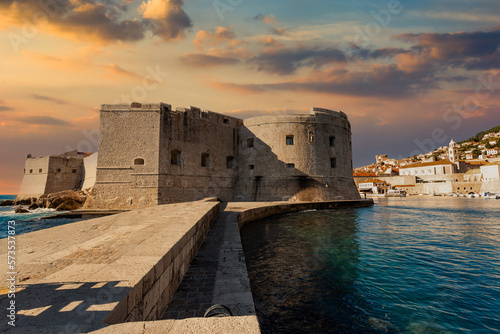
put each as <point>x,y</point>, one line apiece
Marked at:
<point>221,35</point>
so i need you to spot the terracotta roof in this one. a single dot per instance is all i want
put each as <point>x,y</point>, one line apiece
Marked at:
<point>373,181</point>
<point>425,164</point>
<point>363,174</point>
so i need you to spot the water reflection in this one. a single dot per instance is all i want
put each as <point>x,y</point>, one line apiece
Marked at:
<point>303,271</point>
<point>414,265</point>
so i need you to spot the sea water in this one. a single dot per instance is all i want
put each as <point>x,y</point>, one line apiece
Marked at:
<point>28,222</point>
<point>405,265</point>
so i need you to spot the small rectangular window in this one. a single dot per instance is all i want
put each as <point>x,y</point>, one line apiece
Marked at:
<point>333,163</point>
<point>289,140</point>
<point>226,121</point>
<point>250,142</point>
<point>230,162</point>
<point>73,171</point>
<point>205,160</point>
<point>290,165</point>
<point>40,170</point>
<point>176,157</point>
<point>332,141</point>
<point>31,171</point>
<point>251,166</point>
<point>59,170</point>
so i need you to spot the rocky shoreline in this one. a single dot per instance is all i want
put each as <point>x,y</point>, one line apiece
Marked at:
<point>61,201</point>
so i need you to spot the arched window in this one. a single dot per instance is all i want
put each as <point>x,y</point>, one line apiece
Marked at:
<point>139,162</point>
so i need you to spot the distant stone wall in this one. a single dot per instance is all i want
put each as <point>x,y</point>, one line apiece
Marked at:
<point>296,157</point>
<point>35,176</point>
<point>50,174</point>
<point>65,173</point>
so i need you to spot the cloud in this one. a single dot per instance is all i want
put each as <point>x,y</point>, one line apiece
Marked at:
<point>266,19</point>
<point>48,98</point>
<point>99,21</point>
<point>221,35</point>
<point>168,18</point>
<point>279,31</point>
<point>43,120</point>
<point>202,60</point>
<point>116,70</point>
<point>382,81</point>
<point>3,107</point>
<point>270,42</point>
<point>288,60</point>
<point>470,50</point>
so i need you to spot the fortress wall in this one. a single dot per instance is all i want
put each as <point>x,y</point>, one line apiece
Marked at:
<point>195,133</point>
<point>65,173</point>
<point>127,134</point>
<point>311,177</point>
<point>34,180</point>
<point>89,171</point>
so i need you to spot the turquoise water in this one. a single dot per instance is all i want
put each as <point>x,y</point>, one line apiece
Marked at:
<point>405,265</point>
<point>28,222</point>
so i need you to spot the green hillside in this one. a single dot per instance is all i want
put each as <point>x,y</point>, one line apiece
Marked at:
<point>480,135</point>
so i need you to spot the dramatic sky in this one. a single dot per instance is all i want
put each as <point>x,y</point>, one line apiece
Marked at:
<point>410,75</point>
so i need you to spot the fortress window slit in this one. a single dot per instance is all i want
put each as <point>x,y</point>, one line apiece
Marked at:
<point>332,141</point>
<point>205,160</point>
<point>289,140</point>
<point>250,142</point>
<point>176,157</point>
<point>230,162</point>
<point>333,162</point>
<point>251,166</point>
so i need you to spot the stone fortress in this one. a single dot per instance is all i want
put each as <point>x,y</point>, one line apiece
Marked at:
<point>150,154</point>
<point>50,174</point>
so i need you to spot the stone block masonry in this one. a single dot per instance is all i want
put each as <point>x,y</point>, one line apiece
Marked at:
<point>150,154</point>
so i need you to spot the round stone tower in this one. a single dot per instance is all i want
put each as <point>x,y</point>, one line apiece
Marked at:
<point>296,158</point>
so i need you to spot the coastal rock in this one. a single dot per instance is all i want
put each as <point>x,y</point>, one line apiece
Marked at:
<point>21,210</point>
<point>68,205</point>
<point>24,201</point>
<point>33,206</point>
<point>65,200</point>
<point>7,202</point>
<point>42,201</point>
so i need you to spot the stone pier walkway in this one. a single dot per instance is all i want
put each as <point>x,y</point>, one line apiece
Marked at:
<point>217,274</point>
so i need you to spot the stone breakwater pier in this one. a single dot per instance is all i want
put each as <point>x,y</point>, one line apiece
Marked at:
<point>152,270</point>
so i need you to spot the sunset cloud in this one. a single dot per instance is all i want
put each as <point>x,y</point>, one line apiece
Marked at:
<point>48,98</point>
<point>116,70</point>
<point>99,22</point>
<point>168,18</point>
<point>379,81</point>
<point>43,120</point>
<point>221,35</point>
<point>202,60</point>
